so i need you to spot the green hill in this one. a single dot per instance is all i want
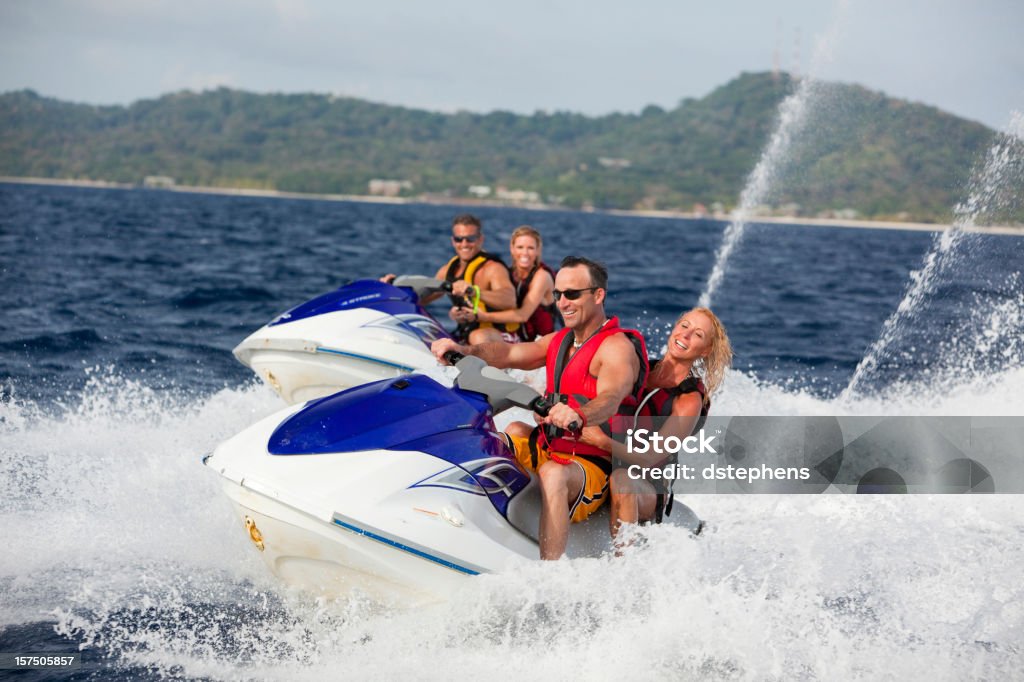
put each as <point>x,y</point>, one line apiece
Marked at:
<point>861,150</point>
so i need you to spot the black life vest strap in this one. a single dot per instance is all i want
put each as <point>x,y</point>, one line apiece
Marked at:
<point>645,369</point>
<point>691,384</point>
<point>453,265</point>
<point>534,436</point>
<point>561,360</point>
<point>522,287</point>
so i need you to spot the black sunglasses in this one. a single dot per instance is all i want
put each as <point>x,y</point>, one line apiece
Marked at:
<point>572,294</point>
<point>469,238</point>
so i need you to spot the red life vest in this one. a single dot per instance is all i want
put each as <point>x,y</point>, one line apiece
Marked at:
<point>569,378</point>
<point>546,317</point>
<point>658,402</point>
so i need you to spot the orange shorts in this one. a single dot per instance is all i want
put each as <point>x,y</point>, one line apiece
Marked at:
<point>532,454</point>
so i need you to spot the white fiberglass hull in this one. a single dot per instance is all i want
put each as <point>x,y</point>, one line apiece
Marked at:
<point>321,355</point>
<point>381,521</point>
<point>325,559</point>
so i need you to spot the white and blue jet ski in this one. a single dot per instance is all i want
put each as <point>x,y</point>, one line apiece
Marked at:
<point>362,332</point>
<point>401,488</point>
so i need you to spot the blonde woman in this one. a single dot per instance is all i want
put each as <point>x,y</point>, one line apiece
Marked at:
<point>534,283</point>
<point>680,385</point>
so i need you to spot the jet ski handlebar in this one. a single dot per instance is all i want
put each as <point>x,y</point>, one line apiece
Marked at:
<point>501,390</point>
<point>453,357</point>
<point>542,406</point>
<point>421,285</point>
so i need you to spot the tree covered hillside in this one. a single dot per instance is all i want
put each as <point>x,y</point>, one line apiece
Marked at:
<point>860,150</point>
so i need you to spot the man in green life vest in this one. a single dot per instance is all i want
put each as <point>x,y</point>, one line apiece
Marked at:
<point>480,282</point>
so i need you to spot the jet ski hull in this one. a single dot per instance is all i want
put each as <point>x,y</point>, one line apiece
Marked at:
<point>400,489</point>
<point>393,524</point>
<point>332,560</point>
<point>363,332</point>
<point>314,358</point>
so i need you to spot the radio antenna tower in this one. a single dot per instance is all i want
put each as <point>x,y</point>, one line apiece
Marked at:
<point>796,55</point>
<point>776,57</point>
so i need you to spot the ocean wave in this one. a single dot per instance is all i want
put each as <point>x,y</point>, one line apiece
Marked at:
<point>202,297</point>
<point>76,340</point>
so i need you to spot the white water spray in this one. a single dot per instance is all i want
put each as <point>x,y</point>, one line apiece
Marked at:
<point>794,112</point>
<point>997,179</point>
<point>121,537</point>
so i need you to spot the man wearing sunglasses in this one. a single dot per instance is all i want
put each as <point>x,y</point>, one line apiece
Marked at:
<point>480,282</point>
<point>595,370</point>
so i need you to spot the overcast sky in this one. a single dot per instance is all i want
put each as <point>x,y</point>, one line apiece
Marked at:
<point>592,57</point>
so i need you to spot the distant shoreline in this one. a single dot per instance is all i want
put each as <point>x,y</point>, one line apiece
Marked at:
<point>275,194</point>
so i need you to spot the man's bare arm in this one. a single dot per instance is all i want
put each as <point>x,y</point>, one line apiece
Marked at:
<point>496,289</point>
<point>498,353</point>
<point>539,288</point>
<point>616,375</point>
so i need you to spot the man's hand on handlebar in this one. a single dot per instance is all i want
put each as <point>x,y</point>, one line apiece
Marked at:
<point>442,346</point>
<point>460,287</point>
<point>462,315</point>
<point>562,416</point>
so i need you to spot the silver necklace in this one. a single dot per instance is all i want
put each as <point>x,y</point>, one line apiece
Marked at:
<point>576,343</point>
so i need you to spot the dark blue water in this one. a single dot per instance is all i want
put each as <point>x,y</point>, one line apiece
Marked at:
<point>162,285</point>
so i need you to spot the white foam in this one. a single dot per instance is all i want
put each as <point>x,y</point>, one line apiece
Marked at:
<point>938,394</point>
<point>112,484</point>
<point>779,587</point>
<point>116,530</point>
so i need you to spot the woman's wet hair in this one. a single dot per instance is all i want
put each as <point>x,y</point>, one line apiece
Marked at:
<point>719,358</point>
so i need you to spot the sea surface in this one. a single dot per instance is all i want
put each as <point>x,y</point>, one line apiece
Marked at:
<point>120,310</point>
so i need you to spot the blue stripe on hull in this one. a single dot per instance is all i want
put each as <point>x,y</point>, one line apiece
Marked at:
<point>405,548</point>
<point>357,356</point>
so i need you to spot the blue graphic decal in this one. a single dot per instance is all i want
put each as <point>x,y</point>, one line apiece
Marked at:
<point>425,329</point>
<point>452,478</point>
<point>499,477</point>
<point>406,415</point>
